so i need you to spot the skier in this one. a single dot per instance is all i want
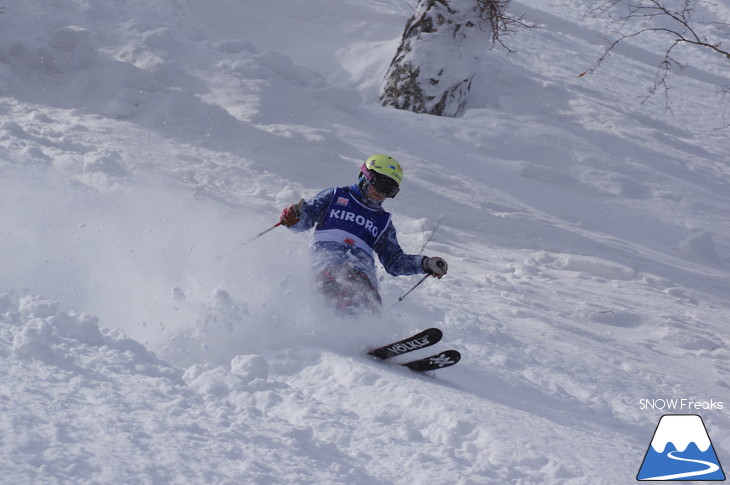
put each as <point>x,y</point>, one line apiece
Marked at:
<point>350,224</point>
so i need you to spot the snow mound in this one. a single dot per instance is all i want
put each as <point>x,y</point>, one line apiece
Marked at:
<point>78,381</point>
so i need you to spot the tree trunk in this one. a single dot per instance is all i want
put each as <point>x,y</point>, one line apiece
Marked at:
<point>435,63</point>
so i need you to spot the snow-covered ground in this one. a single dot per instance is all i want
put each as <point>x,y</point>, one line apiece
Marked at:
<point>587,235</point>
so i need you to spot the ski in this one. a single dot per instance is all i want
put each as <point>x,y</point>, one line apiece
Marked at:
<point>443,359</point>
<point>420,340</point>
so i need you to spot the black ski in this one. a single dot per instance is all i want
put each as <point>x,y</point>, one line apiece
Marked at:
<point>421,340</point>
<point>443,359</point>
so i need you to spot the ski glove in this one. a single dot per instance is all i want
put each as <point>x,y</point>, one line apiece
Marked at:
<point>290,216</point>
<point>434,266</point>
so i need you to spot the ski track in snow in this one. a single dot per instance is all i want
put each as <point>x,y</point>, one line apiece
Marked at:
<point>587,235</point>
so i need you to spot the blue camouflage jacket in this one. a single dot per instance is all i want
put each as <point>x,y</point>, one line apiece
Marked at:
<point>347,232</point>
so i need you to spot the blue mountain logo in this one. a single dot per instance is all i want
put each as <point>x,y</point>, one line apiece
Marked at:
<point>681,450</point>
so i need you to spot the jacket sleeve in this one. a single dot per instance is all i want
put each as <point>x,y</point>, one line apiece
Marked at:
<point>392,257</point>
<point>313,210</point>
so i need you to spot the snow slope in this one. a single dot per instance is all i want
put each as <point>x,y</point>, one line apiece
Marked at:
<point>587,235</point>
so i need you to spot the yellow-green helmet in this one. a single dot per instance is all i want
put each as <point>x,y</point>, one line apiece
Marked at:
<point>383,172</point>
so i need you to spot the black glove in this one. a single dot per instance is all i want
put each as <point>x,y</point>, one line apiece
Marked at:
<point>290,216</point>
<point>434,266</point>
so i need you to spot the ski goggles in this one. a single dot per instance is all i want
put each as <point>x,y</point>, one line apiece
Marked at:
<point>382,183</point>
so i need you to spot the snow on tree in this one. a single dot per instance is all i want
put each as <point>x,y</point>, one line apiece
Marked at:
<point>443,40</point>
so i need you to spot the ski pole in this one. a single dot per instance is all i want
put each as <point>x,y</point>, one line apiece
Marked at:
<point>409,291</point>
<point>249,240</point>
<point>433,233</point>
<point>261,234</point>
<point>440,264</point>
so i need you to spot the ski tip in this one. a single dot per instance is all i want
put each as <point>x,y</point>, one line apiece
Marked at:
<point>453,355</point>
<point>440,360</point>
<point>422,339</point>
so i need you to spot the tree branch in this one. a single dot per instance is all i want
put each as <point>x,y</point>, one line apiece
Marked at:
<point>494,13</point>
<point>656,17</point>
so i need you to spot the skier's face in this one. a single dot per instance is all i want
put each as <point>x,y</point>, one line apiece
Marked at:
<point>384,185</point>
<point>373,194</point>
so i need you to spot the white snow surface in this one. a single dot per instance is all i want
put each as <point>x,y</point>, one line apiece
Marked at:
<point>587,235</point>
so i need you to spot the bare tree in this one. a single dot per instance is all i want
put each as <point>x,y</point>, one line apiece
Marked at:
<point>671,19</point>
<point>434,65</point>
<point>501,22</point>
